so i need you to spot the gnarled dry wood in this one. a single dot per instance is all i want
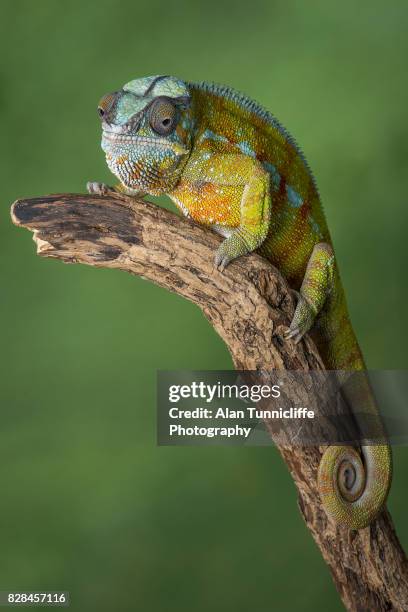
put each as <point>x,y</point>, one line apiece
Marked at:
<point>250,306</point>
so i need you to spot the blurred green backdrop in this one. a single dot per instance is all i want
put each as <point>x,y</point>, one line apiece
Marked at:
<point>89,503</point>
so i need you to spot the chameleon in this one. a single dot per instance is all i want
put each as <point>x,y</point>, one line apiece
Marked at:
<point>230,165</point>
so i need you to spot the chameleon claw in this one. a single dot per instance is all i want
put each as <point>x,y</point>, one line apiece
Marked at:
<point>302,320</point>
<point>221,265</point>
<point>217,261</point>
<point>291,333</point>
<point>232,248</point>
<point>294,334</point>
<point>221,261</point>
<point>95,188</point>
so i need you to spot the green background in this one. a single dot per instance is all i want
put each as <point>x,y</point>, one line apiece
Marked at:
<point>89,503</point>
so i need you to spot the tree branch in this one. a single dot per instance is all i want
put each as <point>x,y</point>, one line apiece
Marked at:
<point>250,306</point>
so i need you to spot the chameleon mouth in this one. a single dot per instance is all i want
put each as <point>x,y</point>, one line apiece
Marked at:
<point>118,138</point>
<point>121,138</point>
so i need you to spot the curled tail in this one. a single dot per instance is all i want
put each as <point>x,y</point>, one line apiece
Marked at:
<point>354,487</point>
<point>353,483</point>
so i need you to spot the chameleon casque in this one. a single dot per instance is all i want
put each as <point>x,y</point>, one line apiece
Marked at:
<point>229,164</point>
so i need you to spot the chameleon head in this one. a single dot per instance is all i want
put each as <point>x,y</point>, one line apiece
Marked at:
<point>146,132</point>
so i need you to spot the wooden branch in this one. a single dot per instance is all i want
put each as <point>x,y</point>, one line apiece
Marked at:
<point>250,306</point>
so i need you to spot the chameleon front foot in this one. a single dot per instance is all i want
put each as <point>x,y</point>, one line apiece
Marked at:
<point>232,247</point>
<point>95,188</point>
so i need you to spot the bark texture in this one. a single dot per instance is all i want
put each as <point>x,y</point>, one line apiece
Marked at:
<point>250,306</point>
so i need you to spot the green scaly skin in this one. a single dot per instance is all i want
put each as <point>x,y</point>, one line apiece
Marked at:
<point>229,164</point>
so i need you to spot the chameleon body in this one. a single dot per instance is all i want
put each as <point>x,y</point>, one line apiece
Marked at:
<point>229,164</point>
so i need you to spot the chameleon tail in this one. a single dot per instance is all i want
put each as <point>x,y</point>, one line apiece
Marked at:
<point>354,483</point>
<point>353,489</point>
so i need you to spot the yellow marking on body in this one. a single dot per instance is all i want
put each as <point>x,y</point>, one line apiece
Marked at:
<point>208,203</point>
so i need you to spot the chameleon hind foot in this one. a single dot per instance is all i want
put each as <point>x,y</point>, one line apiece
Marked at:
<point>302,321</point>
<point>316,286</point>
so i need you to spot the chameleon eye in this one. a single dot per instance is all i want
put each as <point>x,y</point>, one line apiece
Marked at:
<point>163,116</point>
<point>106,103</point>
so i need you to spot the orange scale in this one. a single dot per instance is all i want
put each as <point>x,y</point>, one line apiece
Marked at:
<point>212,206</point>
